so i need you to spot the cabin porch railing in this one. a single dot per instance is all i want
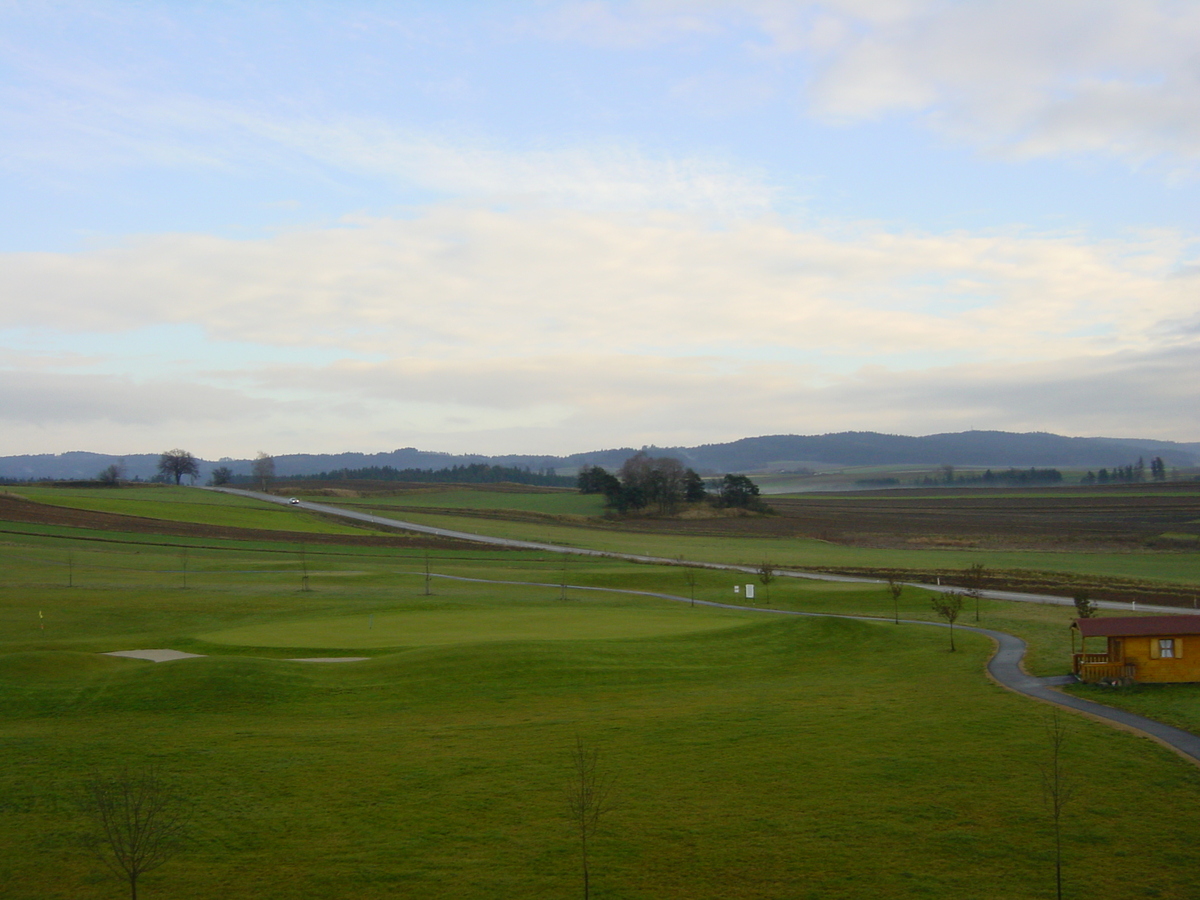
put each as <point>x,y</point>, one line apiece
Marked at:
<point>1092,667</point>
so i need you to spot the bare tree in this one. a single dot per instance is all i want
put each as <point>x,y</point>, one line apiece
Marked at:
<point>177,463</point>
<point>766,574</point>
<point>689,576</point>
<point>220,475</point>
<point>1058,787</point>
<point>948,606</point>
<point>589,798</point>
<point>668,483</point>
<point>646,480</point>
<point>263,470</point>
<point>895,588</point>
<point>137,822</point>
<point>111,474</point>
<point>974,577</point>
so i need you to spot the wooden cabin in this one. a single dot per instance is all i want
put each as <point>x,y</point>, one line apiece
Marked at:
<point>1147,649</point>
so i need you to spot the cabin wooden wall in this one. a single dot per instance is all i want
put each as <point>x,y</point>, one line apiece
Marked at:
<point>1185,666</point>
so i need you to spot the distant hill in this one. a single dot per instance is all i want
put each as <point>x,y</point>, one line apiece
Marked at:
<point>997,449</point>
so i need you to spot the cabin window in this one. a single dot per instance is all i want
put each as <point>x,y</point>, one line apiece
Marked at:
<point>1166,648</point>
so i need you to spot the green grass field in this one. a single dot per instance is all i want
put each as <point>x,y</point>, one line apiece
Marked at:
<point>447,623</point>
<point>183,504</point>
<point>1175,704</point>
<point>753,755</point>
<point>564,503</point>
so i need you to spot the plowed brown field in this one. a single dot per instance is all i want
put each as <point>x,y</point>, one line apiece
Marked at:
<point>17,510</point>
<point>1105,520</point>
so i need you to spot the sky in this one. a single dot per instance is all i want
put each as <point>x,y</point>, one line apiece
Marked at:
<point>552,227</point>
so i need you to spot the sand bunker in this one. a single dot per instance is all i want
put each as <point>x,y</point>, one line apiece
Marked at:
<point>169,655</point>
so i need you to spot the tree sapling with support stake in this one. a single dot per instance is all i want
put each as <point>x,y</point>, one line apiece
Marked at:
<point>948,606</point>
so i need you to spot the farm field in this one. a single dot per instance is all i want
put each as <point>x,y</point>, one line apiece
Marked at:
<point>1124,543</point>
<point>1119,517</point>
<point>159,502</point>
<point>752,755</point>
<point>1169,577</point>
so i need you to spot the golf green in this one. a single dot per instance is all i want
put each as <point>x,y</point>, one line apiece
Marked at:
<point>470,624</point>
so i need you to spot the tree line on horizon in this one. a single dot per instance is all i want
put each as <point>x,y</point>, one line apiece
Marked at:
<point>175,465</point>
<point>1031,475</point>
<point>1130,474</point>
<point>475,473</point>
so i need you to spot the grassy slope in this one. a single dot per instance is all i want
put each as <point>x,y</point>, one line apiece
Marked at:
<point>784,757</point>
<point>184,504</point>
<point>787,758</point>
<point>442,623</point>
<point>570,503</point>
<point>135,593</point>
<point>1175,704</point>
<point>188,504</point>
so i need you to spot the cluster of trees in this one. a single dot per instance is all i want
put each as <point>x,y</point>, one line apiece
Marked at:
<point>664,484</point>
<point>1130,474</point>
<point>1010,476</point>
<point>262,471</point>
<point>644,481</point>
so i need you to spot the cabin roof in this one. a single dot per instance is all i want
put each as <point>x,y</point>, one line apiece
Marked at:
<point>1135,626</point>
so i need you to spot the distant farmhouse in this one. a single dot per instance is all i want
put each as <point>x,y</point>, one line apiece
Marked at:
<point>1147,649</point>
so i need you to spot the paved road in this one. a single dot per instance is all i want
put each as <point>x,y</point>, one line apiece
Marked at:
<point>387,522</point>
<point>1004,666</point>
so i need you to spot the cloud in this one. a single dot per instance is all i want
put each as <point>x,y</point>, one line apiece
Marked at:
<point>625,26</point>
<point>67,124</point>
<point>1030,78</point>
<point>88,400</point>
<point>1024,78</point>
<point>1119,395</point>
<point>564,404</point>
<point>459,325</point>
<point>460,283</point>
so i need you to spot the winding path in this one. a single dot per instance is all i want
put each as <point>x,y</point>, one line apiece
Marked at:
<point>512,543</point>
<point>1004,667</point>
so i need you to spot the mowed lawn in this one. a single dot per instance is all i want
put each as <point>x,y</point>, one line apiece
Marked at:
<point>752,755</point>
<point>787,758</point>
<point>449,623</point>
